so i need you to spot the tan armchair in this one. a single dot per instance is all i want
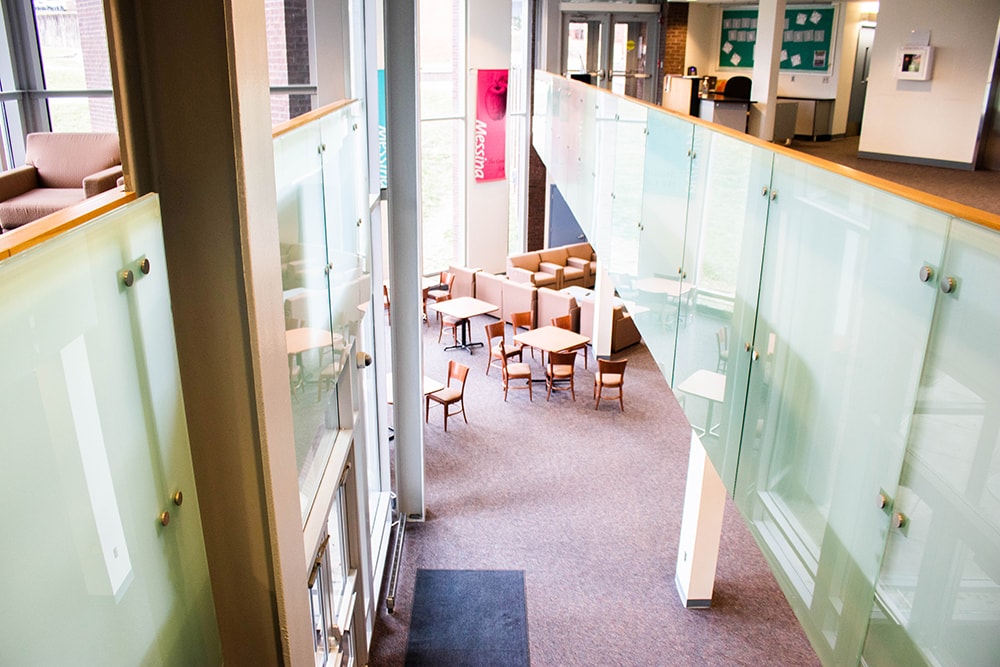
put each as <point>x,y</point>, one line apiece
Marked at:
<point>61,169</point>
<point>528,267</point>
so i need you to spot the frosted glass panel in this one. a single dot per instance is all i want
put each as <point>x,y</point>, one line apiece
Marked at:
<point>655,280</point>
<point>938,595</point>
<point>95,447</point>
<point>573,123</point>
<point>724,244</point>
<point>629,161</point>
<point>322,198</point>
<point>841,331</point>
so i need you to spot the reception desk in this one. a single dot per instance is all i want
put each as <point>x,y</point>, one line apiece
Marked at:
<point>728,111</point>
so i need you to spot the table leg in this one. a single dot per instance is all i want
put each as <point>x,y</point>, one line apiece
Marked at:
<point>464,344</point>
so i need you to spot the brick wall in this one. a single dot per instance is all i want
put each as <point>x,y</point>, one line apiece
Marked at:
<point>675,37</point>
<point>537,201</point>
<point>277,66</point>
<point>97,71</point>
<point>287,25</point>
<point>534,235</point>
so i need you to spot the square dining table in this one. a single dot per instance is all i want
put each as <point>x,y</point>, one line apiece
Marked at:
<point>551,339</point>
<point>463,309</point>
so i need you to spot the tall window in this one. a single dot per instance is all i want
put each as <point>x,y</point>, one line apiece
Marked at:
<point>442,132</point>
<point>73,46</point>
<point>517,123</point>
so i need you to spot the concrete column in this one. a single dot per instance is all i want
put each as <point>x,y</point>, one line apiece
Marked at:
<point>766,61</point>
<point>402,130</point>
<point>701,529</point>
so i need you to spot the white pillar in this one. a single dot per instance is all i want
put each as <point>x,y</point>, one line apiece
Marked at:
<point>599,229</point>
<point>766,62</point>
<point>701,529</point>
<point>402,136</point>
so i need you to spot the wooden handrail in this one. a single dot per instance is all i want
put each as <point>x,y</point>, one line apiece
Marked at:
<point>946,206</point>
<point>306,118</point>
<point>44,228</point>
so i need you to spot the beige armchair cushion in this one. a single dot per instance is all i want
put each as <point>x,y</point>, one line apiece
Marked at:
<point>554,255</point>
<point>465,281</point>
<point>64,159</point>
<point>624,332</point>
<point>528,261</point>
<point>555,304</point>
<point>489,288</point>
<point>61,169</point>
<point>517,298</point>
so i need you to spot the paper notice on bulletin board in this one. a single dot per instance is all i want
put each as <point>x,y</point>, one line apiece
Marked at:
<point>490,143</point>
<point>806,38</point>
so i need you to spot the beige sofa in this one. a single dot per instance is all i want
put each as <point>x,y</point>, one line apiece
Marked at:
<point>465,281</point>
<point>61,169</point>
<point>556,304</point>
<point>559,267</point>
<point>489,288</point>
<point>528,267</point>
<point>624,332</point>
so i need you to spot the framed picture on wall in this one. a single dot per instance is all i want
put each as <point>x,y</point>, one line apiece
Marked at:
<point>914,62</point>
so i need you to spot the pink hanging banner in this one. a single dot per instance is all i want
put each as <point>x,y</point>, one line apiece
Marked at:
<point>490,144</point>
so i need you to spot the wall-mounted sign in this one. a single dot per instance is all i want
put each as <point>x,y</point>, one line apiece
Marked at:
<point>805,42</point>
<point>490,142</point>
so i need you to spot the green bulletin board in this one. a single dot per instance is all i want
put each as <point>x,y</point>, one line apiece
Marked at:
<point>805,44</point>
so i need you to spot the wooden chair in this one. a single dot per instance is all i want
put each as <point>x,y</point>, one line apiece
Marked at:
<point>722,340</point>
<point>498,330</point>
<point>517,371</point>
<point>522,321</point>
<point>436,293</point>
<point>561,368</point>
<point>450,395</point>
<point>386,304</point>
<point>566,322</point>
<point>449,322</point>
<point>610,375</point>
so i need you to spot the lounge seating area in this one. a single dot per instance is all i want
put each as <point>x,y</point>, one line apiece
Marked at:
<point>530,308</point>
<point>558,268</point>
<point>566,274</point>
<point>61,169</point>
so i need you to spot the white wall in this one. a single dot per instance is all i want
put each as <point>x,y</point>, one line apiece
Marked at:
<point>487,204</point>
<point>937,119</point>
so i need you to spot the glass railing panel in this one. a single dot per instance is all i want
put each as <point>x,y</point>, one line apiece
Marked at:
<point>653,284</point>
<point>312,346</point>
<point>829,405</point>
<point>95,447</point>
<point>541,120</point>
<point>938,593</point>
<point>628,163</point>
<point>591,113</point>
<point>724,243</point>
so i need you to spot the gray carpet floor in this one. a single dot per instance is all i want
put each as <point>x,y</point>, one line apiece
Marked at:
<point>980,189</point>
<point>588,503</point>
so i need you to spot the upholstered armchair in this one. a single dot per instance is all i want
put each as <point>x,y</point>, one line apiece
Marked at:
<point>61,169</point>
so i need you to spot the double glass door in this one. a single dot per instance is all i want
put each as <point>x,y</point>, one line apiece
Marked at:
<point>613,51</point>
